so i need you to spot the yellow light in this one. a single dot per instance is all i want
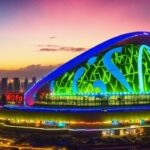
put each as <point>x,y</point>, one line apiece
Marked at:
<point>135,126</point>
<point>121,132</point>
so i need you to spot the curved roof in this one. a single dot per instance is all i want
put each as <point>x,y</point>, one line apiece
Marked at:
<point>134,37</point>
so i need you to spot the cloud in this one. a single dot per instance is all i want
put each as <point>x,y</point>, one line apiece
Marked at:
<point>30,71</point>
<point>47,49</point>
<point>52,48</point>
<point>52,37</point>
<point>74,49</point>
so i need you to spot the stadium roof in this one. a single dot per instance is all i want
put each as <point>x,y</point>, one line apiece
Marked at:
<point>134,38</point>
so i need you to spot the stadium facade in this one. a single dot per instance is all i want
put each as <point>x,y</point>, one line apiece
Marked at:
<point>106,88</point>
<point>117,68</point>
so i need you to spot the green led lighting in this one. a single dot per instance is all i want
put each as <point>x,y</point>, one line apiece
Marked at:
<point>126,61</point>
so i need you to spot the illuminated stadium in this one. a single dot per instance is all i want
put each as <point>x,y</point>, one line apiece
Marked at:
<point>105,89</point>
<point>117,68</point>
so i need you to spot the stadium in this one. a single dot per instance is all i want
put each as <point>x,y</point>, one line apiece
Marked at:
<point>105,89</point>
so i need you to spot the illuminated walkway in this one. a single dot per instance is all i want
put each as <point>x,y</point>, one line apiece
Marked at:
<point>24,148</point>
<point>74,130</point>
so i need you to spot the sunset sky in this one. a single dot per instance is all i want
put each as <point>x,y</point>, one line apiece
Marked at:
<point>41,34</point>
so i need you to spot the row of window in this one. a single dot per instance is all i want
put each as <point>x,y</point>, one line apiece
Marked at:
<point>95,102</point>
<point>90,97</point>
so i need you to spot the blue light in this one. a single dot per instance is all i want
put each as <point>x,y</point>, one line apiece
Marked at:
<point>142,122</point>
<point>107,60</point>
<point>140,71</point>
<point>91,61</point>
<point>77,109</point>
<point>115,123</point>
<point>61,125</point>
<point>100,85</point>
<point>51,86</point>
<point>50,123</point>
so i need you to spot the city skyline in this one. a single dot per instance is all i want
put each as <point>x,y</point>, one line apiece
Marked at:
<point>39,35</point>
<point>15,85</point>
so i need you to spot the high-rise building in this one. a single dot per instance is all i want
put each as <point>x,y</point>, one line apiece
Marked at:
<point>0,86</point>
<point>16,84</point>
<point>10,87</point>
<point>4,85</point>
<point>26,84</point>
<point>33,80</point>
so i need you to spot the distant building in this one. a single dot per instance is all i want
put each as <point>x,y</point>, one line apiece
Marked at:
<point>33,80</point>
<point>16,84</point>
<point>26,84</point>
<point>4,85</point>
<point>10,87</point>
<point>0,87</point>
<point>21,86</point>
